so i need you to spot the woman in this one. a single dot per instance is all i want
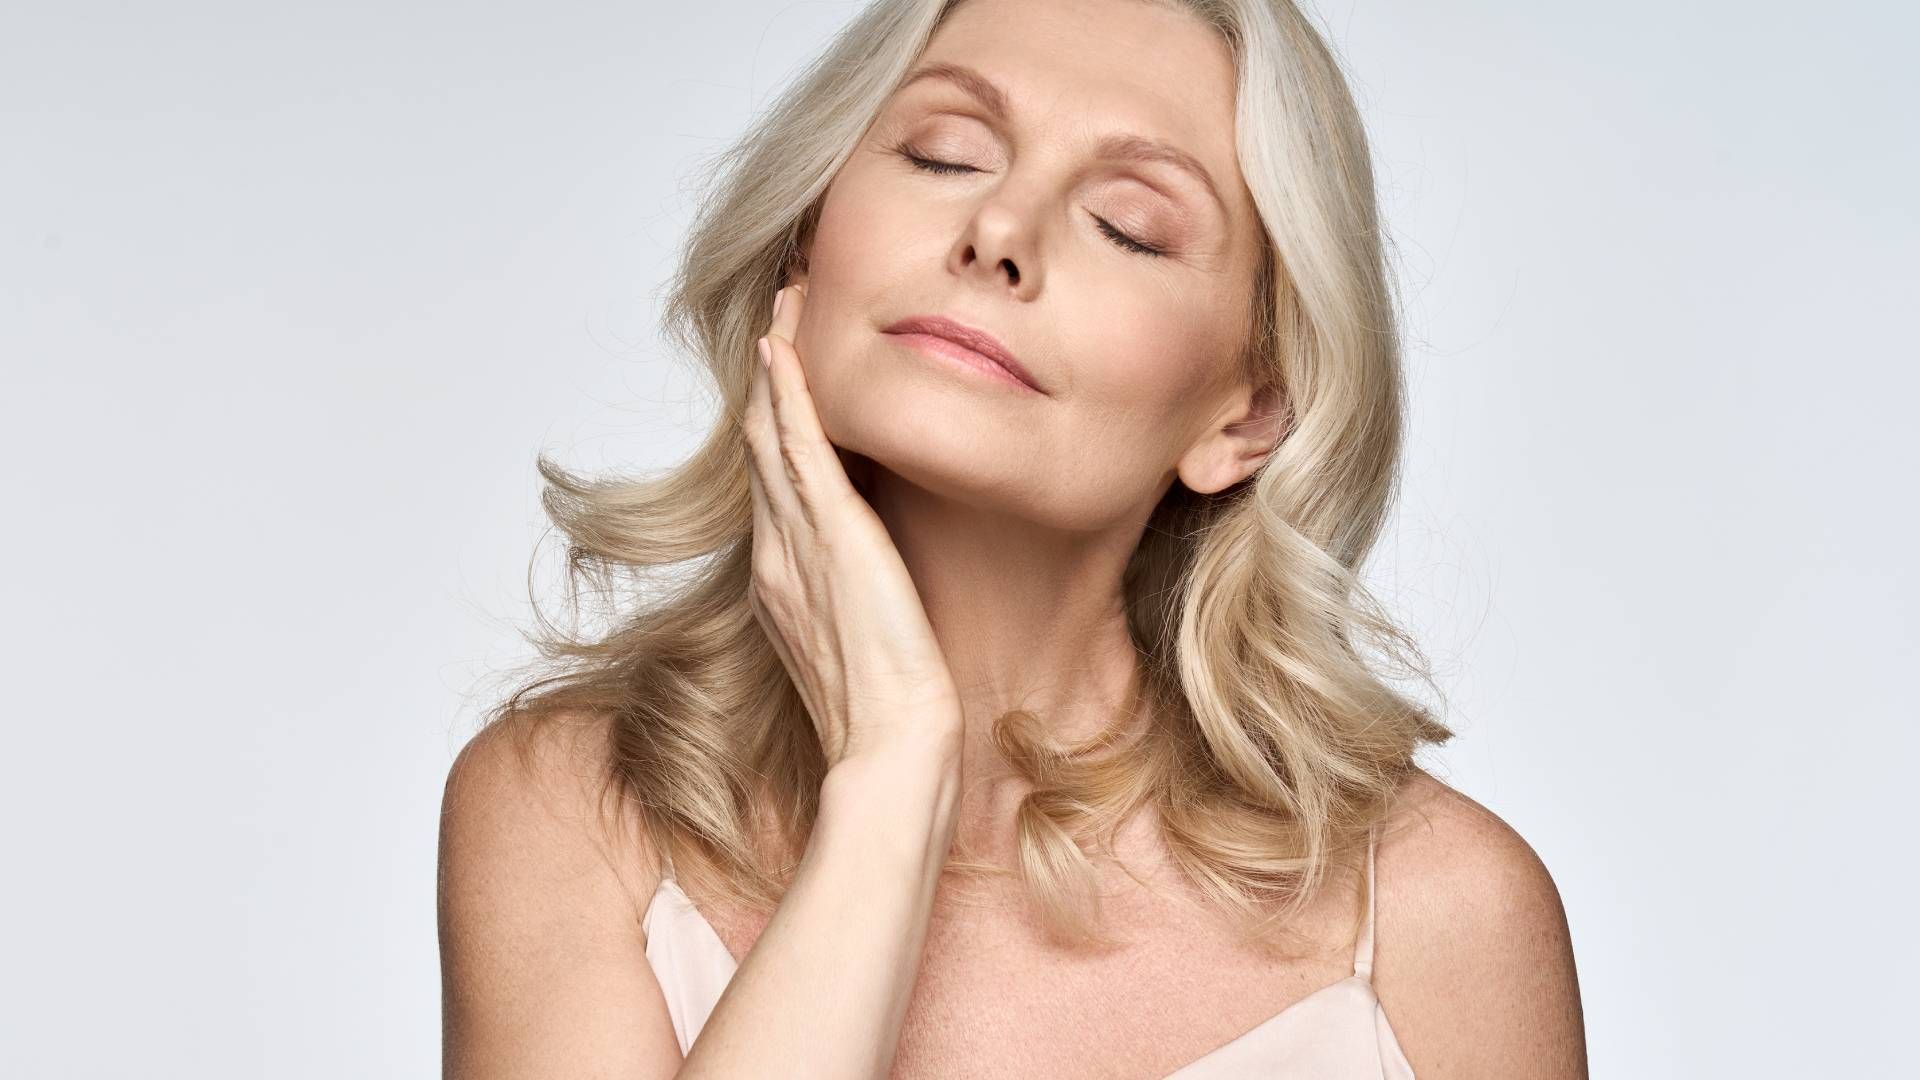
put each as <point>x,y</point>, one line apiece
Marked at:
<point>1017,724</point>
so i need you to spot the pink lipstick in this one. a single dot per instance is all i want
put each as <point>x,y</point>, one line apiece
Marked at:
<point>965,344</point>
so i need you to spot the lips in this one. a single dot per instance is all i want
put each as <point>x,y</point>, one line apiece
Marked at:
<point>967,337</point>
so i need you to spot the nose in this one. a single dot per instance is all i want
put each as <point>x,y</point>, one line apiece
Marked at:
<point>998,245</point>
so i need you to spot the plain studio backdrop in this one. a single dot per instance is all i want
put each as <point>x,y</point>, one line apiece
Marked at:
<point>290,296</point>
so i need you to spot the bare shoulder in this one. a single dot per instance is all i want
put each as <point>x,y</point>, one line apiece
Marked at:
<point>1474,963</point>
<point>548,784</point>
<point>543,962</point>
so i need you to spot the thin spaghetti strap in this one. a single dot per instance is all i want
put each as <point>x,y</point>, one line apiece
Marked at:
<point>659,895</point>
<point>1363,950</point>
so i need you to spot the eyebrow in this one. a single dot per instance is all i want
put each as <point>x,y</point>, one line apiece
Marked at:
<point>1119,147</point>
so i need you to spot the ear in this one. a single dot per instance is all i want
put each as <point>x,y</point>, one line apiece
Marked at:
<point>1247,429</point>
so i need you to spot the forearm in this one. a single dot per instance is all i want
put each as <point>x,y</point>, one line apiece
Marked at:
<point>824,990</point>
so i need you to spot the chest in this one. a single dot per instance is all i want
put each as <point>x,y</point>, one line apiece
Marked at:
<point>996,998</point>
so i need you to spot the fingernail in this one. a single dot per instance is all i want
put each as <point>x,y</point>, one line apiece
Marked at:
<point>766,354</point>
<point>777,297</point>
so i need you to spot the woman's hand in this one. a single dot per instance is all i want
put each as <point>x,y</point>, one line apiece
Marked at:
<point>829,587</point>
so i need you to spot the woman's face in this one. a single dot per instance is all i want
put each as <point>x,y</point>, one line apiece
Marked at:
<point>1033,232</point>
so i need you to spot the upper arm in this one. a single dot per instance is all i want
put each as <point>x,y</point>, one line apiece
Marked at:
<point>1476,969</point>
<point>543,963</point>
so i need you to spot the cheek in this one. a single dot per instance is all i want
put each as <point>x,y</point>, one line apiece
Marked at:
<point>864,223</point>
<point>856,259</point>
<point>1145,388</point>
<point>1154,363</point>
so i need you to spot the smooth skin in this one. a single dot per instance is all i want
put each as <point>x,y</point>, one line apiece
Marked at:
<point>1013,515</point>
<point>833,595</point>
<point>828,586</point>
<point>540,971</point>
<point>546,972</point>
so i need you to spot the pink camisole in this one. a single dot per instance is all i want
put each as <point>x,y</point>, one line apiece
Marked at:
<point>1338,1032</point>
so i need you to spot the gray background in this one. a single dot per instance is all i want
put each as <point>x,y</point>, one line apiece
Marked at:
<point>291,295</point>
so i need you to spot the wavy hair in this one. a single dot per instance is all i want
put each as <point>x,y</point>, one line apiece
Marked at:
<point>1275,741</point>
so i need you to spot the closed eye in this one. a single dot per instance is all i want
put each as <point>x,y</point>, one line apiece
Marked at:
<point>948,168</point>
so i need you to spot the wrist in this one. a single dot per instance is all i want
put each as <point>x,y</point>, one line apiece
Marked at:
<point>904,797</point>
<point>920,772</point>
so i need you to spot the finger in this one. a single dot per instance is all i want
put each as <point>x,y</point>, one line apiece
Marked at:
<point>784,329</point>
<point>815,461</point>
<point>762,513</point>
<point>778,500</point>
<point>785,320</point>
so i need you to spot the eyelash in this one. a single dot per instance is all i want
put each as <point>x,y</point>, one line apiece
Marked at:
<point>947,168</point>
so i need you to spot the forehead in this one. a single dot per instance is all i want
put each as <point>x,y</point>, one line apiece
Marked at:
<point>1094,69</point>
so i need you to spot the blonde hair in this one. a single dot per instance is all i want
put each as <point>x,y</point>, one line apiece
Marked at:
<point>1275,743</point>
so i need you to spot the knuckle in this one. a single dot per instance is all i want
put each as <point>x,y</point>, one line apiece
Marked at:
<point>767,574</point>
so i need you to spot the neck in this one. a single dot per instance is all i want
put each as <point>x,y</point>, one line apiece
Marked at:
<point>1029,617</point>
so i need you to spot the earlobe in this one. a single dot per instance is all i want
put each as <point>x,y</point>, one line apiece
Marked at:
<point>1217,476</point>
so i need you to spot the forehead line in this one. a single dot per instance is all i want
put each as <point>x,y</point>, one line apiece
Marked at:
<point>1119,146</point>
